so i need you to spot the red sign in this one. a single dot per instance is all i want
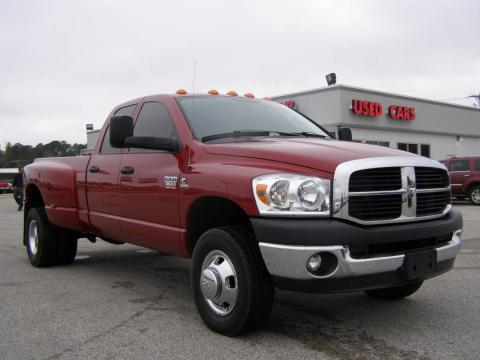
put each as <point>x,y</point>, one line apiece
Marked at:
<point>366,108</point>
<point>401,112</point>
<point>375,109</point>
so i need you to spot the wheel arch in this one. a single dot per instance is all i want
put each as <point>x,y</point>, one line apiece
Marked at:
<point>210,212</point>
<point>33,199</point>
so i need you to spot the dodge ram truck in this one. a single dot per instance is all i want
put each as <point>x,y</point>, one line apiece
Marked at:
<point>256,194</point>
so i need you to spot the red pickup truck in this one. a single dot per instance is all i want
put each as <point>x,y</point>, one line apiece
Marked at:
<point>258,195</point>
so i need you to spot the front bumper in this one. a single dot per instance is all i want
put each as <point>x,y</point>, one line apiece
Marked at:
<point>286,255</point>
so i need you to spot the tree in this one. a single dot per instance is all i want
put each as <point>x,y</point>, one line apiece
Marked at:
<point>19,154</point>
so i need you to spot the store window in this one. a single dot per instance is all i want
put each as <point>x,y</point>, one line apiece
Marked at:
<point>459,165</point>
<point>477,164</point>
<point>413,148</point>
<point>373,142</point>
<point>425,150</point>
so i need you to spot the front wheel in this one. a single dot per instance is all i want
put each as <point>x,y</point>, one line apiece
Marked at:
<point>394,293</point>
<point>474,195</point>
<point>232,289</point>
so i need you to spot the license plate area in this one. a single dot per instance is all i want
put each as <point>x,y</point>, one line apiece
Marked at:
<point>419,263</point>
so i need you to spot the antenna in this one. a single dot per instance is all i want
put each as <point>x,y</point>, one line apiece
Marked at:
<point>194,70</point>
<point>189,165</point>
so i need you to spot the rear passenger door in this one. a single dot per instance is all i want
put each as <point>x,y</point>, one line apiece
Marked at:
<point>149,179</point>
<point>459,171</point>
<point>103,175</point>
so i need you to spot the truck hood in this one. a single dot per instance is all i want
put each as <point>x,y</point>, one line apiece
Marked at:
<point>320,154</point>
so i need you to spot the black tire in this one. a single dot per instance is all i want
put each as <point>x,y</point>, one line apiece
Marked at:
<point>255,289</point>
<point>67,248</point>
<point>474,195</point>
<point>395,293</point>
<point>45,252</point>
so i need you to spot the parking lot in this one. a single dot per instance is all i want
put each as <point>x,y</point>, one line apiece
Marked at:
<point>125,302</point>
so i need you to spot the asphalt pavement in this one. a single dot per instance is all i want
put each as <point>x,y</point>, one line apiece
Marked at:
<point>125,302</point>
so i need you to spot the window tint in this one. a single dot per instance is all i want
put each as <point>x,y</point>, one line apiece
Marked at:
<point>459,165</point>
<point>106,147</point>
<point>212,115</point>
<point>425,150</point>
<point>477,164</point>
<point>154,120</point>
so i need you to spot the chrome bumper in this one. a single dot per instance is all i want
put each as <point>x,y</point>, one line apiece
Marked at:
<point>290,261</point>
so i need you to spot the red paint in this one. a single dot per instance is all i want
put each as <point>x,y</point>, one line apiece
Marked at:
<point>366,108</point>
<point>139,209</point>
<point>463,181</point>
<point>289,103</point>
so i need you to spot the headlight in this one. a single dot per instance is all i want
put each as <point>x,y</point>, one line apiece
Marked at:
<point>292,195</point>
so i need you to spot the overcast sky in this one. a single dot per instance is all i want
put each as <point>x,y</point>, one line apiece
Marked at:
<point>67,63</point>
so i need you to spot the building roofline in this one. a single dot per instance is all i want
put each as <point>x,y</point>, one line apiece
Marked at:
<point>370,91</point>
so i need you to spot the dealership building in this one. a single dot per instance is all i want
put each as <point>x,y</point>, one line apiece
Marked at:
<point>426,127</point>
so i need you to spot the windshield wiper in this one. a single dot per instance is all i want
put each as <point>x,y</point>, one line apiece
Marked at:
<point>309,134</point>
<point>251,133</point>
<point>245,133</point>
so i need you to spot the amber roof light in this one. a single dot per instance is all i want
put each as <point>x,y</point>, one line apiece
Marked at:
<point>213,92</point>
<point>249,95</point>
<point>232,93</point>
<point>181,92</point>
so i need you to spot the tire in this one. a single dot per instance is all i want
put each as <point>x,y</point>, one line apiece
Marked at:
<point>67,248</point>
<point>244,274</point>
<point>395,293</point>
<point>474,195</point>
<point>41,239</point>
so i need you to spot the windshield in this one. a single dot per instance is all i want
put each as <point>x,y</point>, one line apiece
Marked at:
<point>213,115</point>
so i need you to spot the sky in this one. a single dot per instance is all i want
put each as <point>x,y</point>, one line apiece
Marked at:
<point>64,64</point>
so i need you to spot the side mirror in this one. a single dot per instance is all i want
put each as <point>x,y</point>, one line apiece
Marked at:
<point>344,134</point>
<point>121,127</point>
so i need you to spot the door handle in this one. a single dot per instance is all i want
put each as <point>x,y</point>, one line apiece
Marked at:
<point>94,169</point>
<point>127,170</point>
<point>466,175</point>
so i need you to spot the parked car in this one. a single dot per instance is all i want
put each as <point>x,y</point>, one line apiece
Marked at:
<point>465,177</point>
<point>6,178</point>
<point>256,194</point>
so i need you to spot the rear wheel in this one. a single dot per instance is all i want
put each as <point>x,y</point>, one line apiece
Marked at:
<point>474,195</point>
<point>232,289</point>
<point>41,239</point>
<point>394,293</point>
<point>67,248</point>
<point>46,245</point>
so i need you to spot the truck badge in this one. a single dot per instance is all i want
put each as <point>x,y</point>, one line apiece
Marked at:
<point>170,182</point>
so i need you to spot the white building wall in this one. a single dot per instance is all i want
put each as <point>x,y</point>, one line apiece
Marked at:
<point>441,146</point>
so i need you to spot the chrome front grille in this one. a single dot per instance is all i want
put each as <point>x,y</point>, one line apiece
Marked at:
<point>372,191</point>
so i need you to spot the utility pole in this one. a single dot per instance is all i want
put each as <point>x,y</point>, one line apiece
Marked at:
<point>477,100</point>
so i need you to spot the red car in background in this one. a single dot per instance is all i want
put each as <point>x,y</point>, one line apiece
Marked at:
<point>465,177</point>
<point>6,178</point>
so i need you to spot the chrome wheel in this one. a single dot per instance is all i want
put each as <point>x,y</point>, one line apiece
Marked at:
<point>475,196</point>
<point>218,283</point>
<point>33,237</point>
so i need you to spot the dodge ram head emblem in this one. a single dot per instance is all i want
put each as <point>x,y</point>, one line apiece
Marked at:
<point>411,192</point>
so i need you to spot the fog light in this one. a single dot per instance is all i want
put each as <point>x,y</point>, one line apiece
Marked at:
<point>322,264</point>
<point>314,262</point>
